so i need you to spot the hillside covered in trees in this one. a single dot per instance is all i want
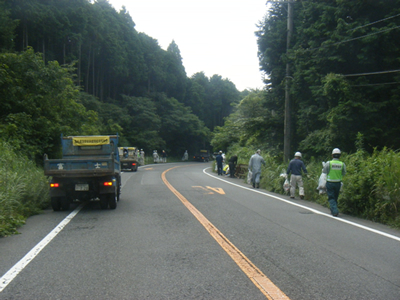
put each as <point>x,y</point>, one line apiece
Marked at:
<point>344,79</point>
<point>79,67</point>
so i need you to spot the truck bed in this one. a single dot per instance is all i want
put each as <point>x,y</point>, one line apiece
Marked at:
<point>81,167</point>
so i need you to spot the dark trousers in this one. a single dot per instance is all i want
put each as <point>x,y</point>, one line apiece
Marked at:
<point>333,189</point>
<point>219,168</point>
<point>232,170</point>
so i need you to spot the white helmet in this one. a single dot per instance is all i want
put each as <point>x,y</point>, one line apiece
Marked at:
<point>336,151</point>
<point>297,154</point>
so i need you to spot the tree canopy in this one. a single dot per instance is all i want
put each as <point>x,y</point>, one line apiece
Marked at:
<point>84,56</point>
<point>344,72</point>
<point>85,69</point>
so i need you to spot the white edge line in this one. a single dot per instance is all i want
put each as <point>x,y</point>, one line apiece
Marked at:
<point>307,208</point>
<point>19,266</point>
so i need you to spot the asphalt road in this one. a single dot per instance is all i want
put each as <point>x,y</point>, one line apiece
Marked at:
<point>182,232</point>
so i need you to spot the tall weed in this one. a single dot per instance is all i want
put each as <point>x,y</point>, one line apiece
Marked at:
<point>374,186</point>
<point>371,185</point>
<point>23,189</point>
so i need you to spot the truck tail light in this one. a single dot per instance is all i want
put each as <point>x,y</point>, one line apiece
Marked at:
<point>133,164</point>
<point>108,183</point>
<point>54,185</point>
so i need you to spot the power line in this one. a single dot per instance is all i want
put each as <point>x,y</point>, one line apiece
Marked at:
<point>376,84</point>
<point>372,23</point>
<point>363,36</point>
<point>372,73</point>
<point>353,39</point>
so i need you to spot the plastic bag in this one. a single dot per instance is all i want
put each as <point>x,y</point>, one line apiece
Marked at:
<point>322,184</point>
<point>249,177</point>
<point>286,185</point>
<point>322,181</point>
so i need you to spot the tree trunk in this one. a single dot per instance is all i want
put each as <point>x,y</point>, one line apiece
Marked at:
<point>43,50</point>
<point>79,62</point>
<point>88,71</point>
<point>25,36</point>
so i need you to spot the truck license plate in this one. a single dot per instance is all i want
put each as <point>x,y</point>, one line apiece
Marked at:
<point>81,187</point>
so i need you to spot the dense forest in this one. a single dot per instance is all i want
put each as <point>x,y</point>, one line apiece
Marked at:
<point>79,67</point>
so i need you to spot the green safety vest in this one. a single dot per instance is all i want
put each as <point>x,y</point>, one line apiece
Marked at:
<point>335,171</point>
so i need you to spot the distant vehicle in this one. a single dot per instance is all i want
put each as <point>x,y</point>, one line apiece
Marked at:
<point>129,158</point>
<point>89,170</point>
<point>203,155</point>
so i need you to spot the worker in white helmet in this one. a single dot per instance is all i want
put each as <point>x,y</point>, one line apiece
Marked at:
<point>334,170</point>
<point>295,169</point>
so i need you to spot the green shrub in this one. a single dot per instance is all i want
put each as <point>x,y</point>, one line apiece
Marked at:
<point>23,189</point>
<point>371,186</point>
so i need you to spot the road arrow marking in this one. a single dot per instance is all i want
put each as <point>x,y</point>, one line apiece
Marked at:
<point>217,190</point>
<point>203,188</point>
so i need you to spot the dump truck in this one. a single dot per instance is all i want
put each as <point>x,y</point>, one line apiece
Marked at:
<point>129,158</point>
<point>89,170</point>
<point>202,155</point>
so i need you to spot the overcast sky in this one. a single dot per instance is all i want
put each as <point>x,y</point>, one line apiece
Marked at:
<point>213,36</point>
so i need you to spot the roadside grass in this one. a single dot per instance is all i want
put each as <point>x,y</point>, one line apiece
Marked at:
<point>23,190</point>
<point>371,187</point>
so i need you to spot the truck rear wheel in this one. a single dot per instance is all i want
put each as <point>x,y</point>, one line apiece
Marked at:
<point>103,201</point>
<point>112,200</point>
<point>64,203</point>
<point>56,203</point>
<point>118,187</point>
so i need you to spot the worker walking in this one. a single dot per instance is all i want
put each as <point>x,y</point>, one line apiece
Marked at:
<point>155,156</point>
<point>255,167</point>
<point>219,160</point>
<point>334,170</point>
<point>295,169</point>
<point>141,158</point>
<point>185,156</point>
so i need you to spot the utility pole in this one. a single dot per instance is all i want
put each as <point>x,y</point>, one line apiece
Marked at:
<point>288,111</point>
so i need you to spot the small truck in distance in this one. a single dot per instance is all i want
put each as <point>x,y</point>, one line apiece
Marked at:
<point>202,155</point>
<point>89,170</point>
<point>129,159</point>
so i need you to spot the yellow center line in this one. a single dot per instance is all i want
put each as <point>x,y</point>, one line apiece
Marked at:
<point>264,284</point>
